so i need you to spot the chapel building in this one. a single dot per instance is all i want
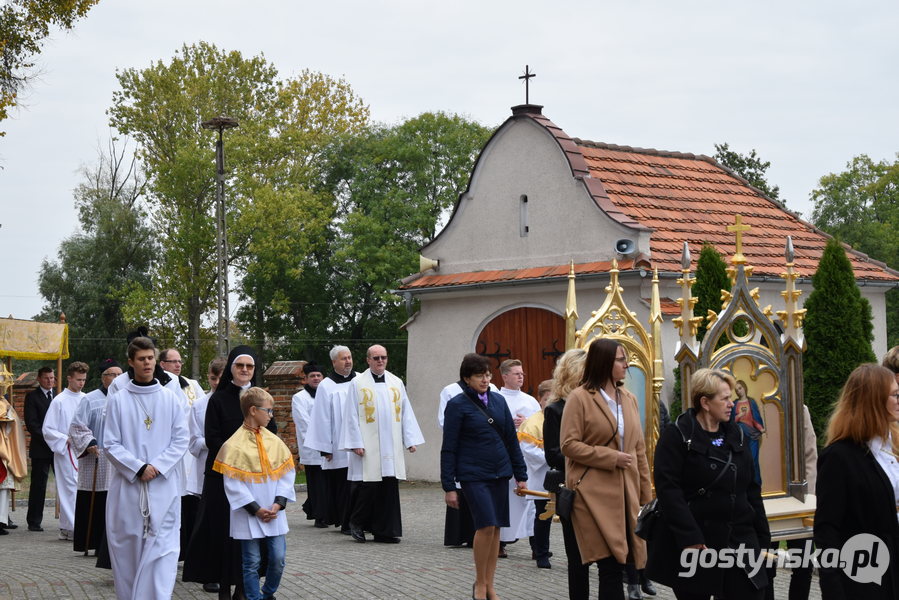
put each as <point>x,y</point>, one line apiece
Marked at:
<point>538,200</point>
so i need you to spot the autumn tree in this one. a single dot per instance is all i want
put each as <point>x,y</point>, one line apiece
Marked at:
<point>24,26</point>
<point>271,159</point>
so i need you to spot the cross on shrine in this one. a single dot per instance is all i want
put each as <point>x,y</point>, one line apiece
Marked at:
<point>739,228</point>
<point>527,80</point>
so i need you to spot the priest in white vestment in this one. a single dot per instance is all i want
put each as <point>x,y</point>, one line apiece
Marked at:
<point>145,438</point>
<point>521,406</point>
<point>323,435</point>
<point>379,424</point>
<point>65,461</point>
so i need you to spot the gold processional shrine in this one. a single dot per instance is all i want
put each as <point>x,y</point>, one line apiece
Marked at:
<point>742,338</point>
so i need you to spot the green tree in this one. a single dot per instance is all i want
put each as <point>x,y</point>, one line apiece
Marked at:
<point>837,332</point>
<point>861,207</point>
<point>111,253</point>
<point>272,159</point>
<point>390,187</point>
<point>24,26</point>
<point>748,166</point>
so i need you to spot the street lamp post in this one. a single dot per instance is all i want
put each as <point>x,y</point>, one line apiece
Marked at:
<point>222,326</point>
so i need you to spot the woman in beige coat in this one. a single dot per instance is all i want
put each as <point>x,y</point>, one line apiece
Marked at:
<point>602,441</point>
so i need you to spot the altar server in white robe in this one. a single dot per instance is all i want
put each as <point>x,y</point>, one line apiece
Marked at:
<point>65,461</point>
<point>86,439</point>
<point>521,406</point>
<point>316,504</point>
<point>145,438</point>
<point>378,425</point>
<point>323,434</point>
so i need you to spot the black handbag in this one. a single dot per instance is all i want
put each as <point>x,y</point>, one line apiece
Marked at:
<point>647,518</point>
<point>565,498</point>
<point>553,479</point>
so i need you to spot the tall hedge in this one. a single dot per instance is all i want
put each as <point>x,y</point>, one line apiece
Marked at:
<point>838,333</point>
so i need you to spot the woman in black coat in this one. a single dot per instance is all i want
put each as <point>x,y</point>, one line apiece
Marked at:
<point>212,556</point>
<point>708,496</point>
<point>480,450</point>
<point>857,481</point>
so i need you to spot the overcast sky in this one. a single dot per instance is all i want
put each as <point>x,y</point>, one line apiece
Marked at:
<point>808,85</point>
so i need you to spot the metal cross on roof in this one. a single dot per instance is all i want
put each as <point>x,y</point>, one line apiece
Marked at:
<point>527,80</point>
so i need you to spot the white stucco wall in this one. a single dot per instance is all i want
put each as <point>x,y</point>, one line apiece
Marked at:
<point>563,220</point>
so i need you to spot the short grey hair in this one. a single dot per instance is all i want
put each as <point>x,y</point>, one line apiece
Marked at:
<point>336,350</point>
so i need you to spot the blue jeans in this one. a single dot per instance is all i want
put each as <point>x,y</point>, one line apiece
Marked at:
<point>251,555</point>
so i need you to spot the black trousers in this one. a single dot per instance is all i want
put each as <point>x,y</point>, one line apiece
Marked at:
<point>37,493</point>
<point>540,539</point>
<point>375,507</point>
<point>578,582</point>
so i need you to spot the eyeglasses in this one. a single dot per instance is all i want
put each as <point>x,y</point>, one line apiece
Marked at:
<point>895,395</point>
<point>177,362</point>
<point>246,366</point>
<point>270,411</point>
<point>379,358</point>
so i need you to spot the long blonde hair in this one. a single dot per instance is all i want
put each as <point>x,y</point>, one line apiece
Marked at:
<point>861,412</point>
<point>567,374</point>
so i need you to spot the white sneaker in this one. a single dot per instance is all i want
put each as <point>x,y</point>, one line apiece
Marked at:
<point>63,535</point>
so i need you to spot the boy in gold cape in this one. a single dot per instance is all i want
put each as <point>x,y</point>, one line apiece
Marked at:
<point>259,475</point>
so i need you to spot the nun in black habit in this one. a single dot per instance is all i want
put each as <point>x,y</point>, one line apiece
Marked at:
<point>212,556</point>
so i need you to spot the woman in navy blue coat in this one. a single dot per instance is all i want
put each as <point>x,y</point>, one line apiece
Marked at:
<point>481,452</point>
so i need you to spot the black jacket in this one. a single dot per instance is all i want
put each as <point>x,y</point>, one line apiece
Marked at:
<point>473,450</point>
<point>855,496</point>
<point>729,513</point>
<point>552,425</point>
<point>36,405</point>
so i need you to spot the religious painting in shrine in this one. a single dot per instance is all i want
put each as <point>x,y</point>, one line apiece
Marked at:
<point>535,336</point>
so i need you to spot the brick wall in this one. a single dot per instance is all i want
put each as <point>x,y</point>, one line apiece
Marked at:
<point>283,379</point>
<point>24,384</point>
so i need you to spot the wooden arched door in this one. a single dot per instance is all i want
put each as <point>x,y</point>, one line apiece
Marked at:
<point>535,336</point>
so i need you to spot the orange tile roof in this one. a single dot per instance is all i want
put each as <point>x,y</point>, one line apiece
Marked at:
<point>678,197</point>
<point>436,280</point>
<point>685,197</point>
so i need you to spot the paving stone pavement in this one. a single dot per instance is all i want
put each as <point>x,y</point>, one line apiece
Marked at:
<point>321,563</point>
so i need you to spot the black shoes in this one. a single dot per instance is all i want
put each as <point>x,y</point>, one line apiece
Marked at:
<point>319,524</point>
<point>3,532</point>
<point>543,563</point>
<point>212,588</point>
<point>383,539</point>
<point>9,525</point>
<point>35,528</point>
<point>358,535</point>
<point>648,588</point>
<point>633,592</point>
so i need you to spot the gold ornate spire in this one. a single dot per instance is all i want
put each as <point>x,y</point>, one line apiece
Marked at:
<point>791,316</point>
<point>571,312</point>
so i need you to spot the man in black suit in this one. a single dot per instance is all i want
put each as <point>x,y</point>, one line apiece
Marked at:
<point>37,402</point>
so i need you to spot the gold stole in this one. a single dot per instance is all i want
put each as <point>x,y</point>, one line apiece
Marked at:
<point>367,410</point>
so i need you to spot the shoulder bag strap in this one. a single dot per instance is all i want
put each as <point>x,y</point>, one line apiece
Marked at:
<point>702,491</point>
<point>490,419</point>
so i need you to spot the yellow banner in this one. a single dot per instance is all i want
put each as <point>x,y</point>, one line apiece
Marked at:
<point>33,340</point>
